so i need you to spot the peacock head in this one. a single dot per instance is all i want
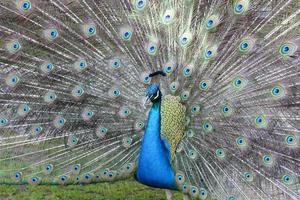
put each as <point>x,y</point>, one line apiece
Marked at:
<point>154,93</point>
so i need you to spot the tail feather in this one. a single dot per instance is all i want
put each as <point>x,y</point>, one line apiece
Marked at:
<point>73,78</point>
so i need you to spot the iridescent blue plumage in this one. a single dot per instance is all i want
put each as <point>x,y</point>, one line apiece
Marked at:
<point>154,166</point>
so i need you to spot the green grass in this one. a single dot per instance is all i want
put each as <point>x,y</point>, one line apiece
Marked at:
<point>123,190</point>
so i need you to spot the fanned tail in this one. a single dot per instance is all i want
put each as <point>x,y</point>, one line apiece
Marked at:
<point>73,103</point>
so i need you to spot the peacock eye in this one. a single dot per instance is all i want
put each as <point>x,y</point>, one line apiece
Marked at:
<point>36,130</point>
<point>287,49</point>
<point>116,93</point>
<point>77,91</point>
<point>239,83</point>
<point>73,140</point>
<point>190,133</point>
<point>3,121</point>
<point>209,23</point>
<point>12,80</point>
<point>203,193</point>
<point>187,71</point>
<point>101,132</point>
<point>168,17</point>
<point>240,141</point>
<point>225,109</point>
<point>231,198</point>
<point>127,35</point>
<point>248,176</point>
<point>50,97</point>
<point>287,179</point>
<point>220,153</point>
<point>89,29</point>
<point>49,67</point>
<point>239,8</point>
<point>16,45</point>
<point>244,46</point>
<point>210,52</point>
<point>203,85</point>
<point>277,92</point>
<point>48,169</point>
<point>87,114</point>
<point>267,159</point>
<point>23,110</point>
<point>284,49</point>
<point>13,46</point>
<point>34,180</point>
<point>115,63</point>
<point>174,86</point>
<point>59,122</point>
<point>51,34</point>
<point>207,127</point>
<point>195,109</point>
<point>140,4</point>
<point>18,175</point>
<point>185,39</point>
<point>290,140</point>
<point>260,121</point>
<point>146,79</point>
<point>192,154</point>
<point>127,141</point>
<point>152,49</point>
<point>24,5</point>
<point>185,95</point>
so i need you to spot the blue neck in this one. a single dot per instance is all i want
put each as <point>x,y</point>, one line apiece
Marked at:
<point>154,166</point>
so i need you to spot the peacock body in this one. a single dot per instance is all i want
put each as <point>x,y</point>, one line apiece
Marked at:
<point>198,96</point>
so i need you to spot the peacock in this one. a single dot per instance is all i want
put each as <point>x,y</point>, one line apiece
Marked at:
<point>200,96</point>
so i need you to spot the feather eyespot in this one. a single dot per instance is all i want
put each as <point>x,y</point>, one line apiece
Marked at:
<point>220,153</point>
<point>231,198</point>
<point>207,127</point>
<point>203,193</point>
<point>47,68</point>
<point>12,80</point>
<point>17,176</point>
<point>140,5</point>
<point>287,179</point>
<point>51,34</point>
<point>101,132</point>
<point>241,142</point>
<point>212,22</point>
<point>290,140</point>
<point>24,5</point>
<point>59,122</point>
<point>268,160</point>
<point>241,6</point>
<point>277,92</point>
<point>226,110</point>
<point>248,176</point>
<point>23,110</point>
<point>3,121</point>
